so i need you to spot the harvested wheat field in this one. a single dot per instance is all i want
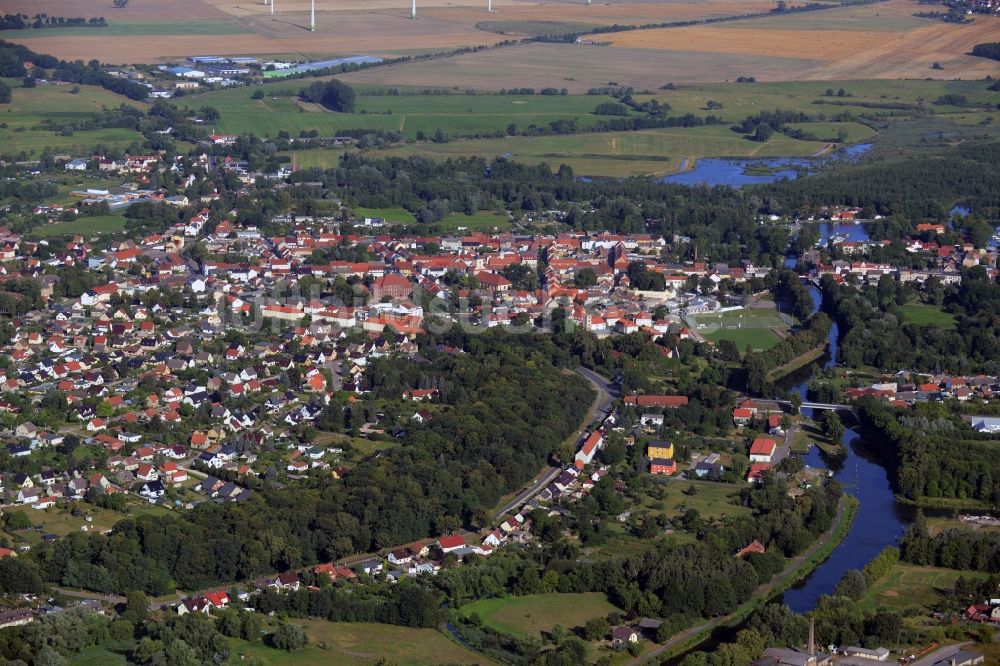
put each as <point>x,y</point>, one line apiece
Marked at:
<point>913,55</point>
<point>344,27</point>
<point>882,40</point>
<point>579,67</point>
<point>343,34</point>
<point>820,45</point>
<point>605,13</point>
<point>875,41</point>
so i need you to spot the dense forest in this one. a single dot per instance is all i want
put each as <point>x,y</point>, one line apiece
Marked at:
<point>931,453</point>
<point>504,409</point>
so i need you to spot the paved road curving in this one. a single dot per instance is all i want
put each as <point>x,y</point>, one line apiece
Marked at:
<point>602,403</point>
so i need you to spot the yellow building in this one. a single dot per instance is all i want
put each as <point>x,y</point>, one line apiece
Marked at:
<point>661,450</point>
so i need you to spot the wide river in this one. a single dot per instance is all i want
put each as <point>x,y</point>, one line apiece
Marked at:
<point>881,520</point>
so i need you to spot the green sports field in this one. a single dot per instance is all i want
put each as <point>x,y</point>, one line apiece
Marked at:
<point>391,215</point>
<point>755,339</point>
<point>480,221</point>
<point>84,225</point>
<point>529,615</point>
<point>747,328</point>
<point>742,318</point>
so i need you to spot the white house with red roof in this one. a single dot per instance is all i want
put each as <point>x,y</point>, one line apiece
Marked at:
<point>451,543</point>
<point>590,447</point>
<point>762,450</point>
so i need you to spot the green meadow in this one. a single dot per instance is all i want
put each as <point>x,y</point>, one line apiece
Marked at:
<point>480,221</point>
<point>911,586</point>
<point>917,313</point>
<point>22,128</point>
<point>527,616</point>
<point>360,643</point>
<point>457,114</point>
<point>464,117</point>
<point>84,225</point>
<point>741,100</point>
<point>654,151</point>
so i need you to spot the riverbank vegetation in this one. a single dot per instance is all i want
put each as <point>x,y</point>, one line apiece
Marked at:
<point>872,336</point>
<point>931,452</point>
<point>956,548</point>
<point>889,603</point>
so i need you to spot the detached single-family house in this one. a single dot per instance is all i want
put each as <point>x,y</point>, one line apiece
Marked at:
<point>762,450</point>
<point>194,605</point>
<point>621,637</point>
<point>451,543</point>
<point>590,447</point>
<point>152,490</point>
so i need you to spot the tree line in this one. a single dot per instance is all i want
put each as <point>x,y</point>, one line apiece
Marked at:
<point>946,459</point>
<point>13,57</point>
<point>988,50</point>
<point>39,21</point>
<point>962,549</point>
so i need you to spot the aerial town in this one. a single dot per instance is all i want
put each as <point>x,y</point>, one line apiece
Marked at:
<point>528,334</point>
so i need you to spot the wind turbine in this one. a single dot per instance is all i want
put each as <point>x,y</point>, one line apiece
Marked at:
<point>413,10</point>
<point>489,6</point>
<point>312,16</point>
